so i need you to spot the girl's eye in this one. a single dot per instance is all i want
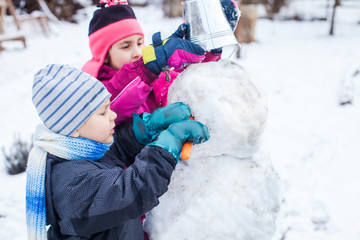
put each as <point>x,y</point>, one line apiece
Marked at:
<point>140,43</point>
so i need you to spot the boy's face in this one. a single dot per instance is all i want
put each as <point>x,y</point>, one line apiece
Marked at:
<point>99,126</point>
<point>125,51</point>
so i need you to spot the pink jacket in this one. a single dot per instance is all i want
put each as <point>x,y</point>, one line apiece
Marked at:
<point>135,88</point>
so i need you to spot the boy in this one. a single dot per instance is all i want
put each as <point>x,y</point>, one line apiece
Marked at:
<point>87,179</point>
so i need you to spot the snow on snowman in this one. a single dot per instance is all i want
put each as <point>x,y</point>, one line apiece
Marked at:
<point>228,188</point>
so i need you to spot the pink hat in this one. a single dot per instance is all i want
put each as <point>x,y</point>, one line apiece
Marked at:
<point>109,25</point>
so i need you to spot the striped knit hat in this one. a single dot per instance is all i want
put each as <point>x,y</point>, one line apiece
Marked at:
<point>65,97</point>
<point>109,25</point>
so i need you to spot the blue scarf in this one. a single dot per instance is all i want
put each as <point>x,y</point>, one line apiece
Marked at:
<point>61,146</point>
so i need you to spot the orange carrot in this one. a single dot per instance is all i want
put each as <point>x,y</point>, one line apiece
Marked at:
<point>186,149</point>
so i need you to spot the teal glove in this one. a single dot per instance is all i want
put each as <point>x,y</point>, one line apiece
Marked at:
<point>147,126</point>
<point>173,138</point>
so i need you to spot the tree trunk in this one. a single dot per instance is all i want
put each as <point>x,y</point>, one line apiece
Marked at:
<point>336,3</point>
<point>172,8</point>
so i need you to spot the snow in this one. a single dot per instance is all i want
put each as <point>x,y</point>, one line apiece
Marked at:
<point>224,97</point>
<point>228,183</point>
<point>310,138</point>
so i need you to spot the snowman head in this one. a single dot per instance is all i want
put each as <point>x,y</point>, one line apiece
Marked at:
<point>223,96</point>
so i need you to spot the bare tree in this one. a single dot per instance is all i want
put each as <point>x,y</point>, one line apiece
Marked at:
<point>336,3</point>
<point>272,7</point>
<point>61,9</point>
<point>172,8</point>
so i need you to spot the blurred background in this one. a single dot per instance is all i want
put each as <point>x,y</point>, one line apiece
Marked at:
<point>305,53</point>
<point>43,11</point>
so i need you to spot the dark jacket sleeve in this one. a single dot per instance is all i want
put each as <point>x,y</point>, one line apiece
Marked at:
<point>91,197</point>
<point>125,146</point>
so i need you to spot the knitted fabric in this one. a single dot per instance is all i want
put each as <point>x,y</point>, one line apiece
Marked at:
<point>65,97</point>
<point>112,2</point>
<point>61,146</point>
<point>107,15</point>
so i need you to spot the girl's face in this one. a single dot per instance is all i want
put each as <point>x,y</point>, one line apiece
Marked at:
<point>99,127</point>
<point>124,51</point>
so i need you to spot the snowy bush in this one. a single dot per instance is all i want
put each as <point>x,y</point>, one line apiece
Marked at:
<point>16,159</point>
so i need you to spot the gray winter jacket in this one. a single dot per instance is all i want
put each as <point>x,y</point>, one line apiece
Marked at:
<point>105,199</point>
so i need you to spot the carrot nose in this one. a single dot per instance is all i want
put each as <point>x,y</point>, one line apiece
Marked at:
<point>186,149</point>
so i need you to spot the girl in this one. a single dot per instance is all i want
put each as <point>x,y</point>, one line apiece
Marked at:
<point>135,76</point>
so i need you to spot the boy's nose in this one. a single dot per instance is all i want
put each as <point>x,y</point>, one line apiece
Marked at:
<point>113,115</point>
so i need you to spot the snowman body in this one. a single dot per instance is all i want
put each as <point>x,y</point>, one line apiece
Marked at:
<point>228,188</point>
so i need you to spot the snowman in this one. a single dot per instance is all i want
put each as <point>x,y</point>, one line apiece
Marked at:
<point>228,188</point>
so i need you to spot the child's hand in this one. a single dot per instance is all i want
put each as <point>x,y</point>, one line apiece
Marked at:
<point>232,14</point>
<point>231,11</point>
<point>173,138</point>
<point>147,126</point>
<point>174,52</point>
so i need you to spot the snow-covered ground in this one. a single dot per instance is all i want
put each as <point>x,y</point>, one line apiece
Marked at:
<point>312,140</point>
